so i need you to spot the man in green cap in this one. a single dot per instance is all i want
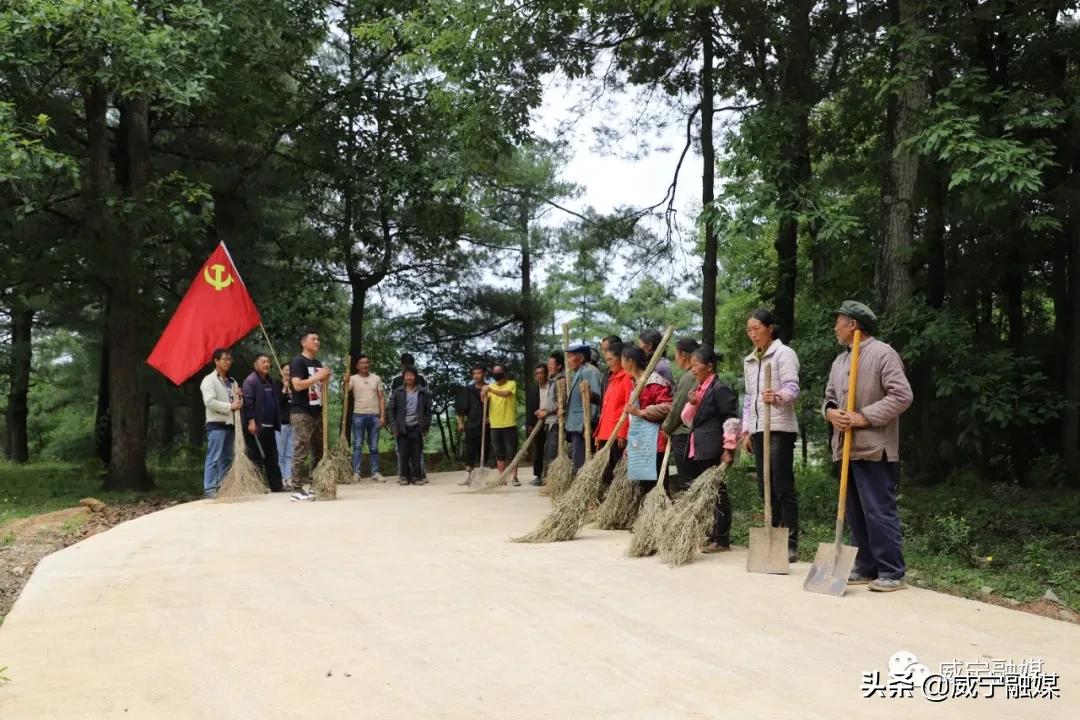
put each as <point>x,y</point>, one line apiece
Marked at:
<point>882,393</point>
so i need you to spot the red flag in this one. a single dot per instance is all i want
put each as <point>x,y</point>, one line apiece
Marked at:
<point>216,312</point>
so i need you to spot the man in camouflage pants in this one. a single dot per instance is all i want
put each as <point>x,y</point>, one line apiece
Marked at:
<point>307,376</point>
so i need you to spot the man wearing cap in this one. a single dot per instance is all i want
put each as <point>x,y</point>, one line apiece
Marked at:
<point>578,370</point>
<point>882,393</point>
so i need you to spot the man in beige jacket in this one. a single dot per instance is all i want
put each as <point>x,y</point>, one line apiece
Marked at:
<point>882,393</point>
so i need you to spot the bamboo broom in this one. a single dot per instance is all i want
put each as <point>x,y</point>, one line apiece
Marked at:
<point>568,516</point>
<point>619,508</point>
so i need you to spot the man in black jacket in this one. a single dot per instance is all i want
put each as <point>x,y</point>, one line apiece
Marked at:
<point>469,409</point>
<point>262,419</point>
<point>410,420</point>
<point>537,399</point>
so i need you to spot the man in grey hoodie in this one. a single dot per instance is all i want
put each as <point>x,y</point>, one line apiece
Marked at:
<point>882,393</point>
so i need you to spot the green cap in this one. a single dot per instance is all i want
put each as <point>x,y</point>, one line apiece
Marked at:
<point>857,311</point>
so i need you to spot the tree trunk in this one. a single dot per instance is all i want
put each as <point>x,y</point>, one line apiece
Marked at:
<point>528,310</point>
<point>934,235</point>
<point>442,435</point>
<point>197,414</point>
<point>1070,426</point>
<point>708,180</point>
<point>168,421</point>
<point>102,421</point>
<point>893,268</point>
<point>794,163</point>
<point>18,410</point>
<point>127,471</point>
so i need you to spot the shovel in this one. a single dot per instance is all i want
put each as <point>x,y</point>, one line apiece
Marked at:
<point>833,563</point>
<point>768,545</point>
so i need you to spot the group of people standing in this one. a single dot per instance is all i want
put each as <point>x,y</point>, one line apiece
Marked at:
<point>695,415</point>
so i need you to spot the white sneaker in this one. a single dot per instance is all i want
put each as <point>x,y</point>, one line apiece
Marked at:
<point>356,477</point>
<point>301,496</point>
<point>377,477</point>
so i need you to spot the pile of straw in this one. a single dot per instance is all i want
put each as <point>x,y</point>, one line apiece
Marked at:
<point>560,475</point>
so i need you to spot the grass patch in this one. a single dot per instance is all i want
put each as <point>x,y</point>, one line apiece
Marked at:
<point>960,536</point>
<point>37,488</point>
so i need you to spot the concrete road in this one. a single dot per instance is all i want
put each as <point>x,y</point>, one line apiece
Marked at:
<point>410,603</point>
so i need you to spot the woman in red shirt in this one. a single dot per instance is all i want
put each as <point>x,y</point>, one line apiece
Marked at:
<point>620,386</point>
<point>652,407</point>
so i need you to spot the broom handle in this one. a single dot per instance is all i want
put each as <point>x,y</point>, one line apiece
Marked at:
<point>565,389</point>
<point>658,352</point>
<point>560,394</point>
<point>845,463</point>
<point>664,467</point>
<point>586,408</point>
<point>766,465</point>
<point>345,393</point>
<point>520,454</point>
<point>325,417</point>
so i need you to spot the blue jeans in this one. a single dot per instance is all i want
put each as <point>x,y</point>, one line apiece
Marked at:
<point>365,428</point>
<point>219,456</point>
<point>284,451</point>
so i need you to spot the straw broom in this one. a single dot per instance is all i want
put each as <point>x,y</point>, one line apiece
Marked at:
<point>571,509</point>
<point>691,517</point>
<point>243,480</point>
<point>334,468</point>
<point>621,502</point>
<point>561,472</point>
<point>649,521</point>
<point>339,462</point>
<point>481,486</point>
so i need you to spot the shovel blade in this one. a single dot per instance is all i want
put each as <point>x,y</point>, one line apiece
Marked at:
<point>830,571</point>
<point>768,550</point>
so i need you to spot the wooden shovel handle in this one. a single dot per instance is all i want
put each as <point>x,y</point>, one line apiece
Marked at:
<point>586,406</point>
<point>845,458</point>
<point>766,455</point>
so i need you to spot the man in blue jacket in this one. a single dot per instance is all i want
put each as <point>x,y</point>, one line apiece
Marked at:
<point>261,421</point>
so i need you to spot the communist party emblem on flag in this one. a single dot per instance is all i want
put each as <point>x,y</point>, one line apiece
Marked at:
<point>216,312</point>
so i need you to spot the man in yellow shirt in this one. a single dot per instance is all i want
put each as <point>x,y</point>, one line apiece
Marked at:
<point>501,397</point>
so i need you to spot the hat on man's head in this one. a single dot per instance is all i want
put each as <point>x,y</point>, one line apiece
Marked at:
<point>857,311</point>
<point>580,349</point>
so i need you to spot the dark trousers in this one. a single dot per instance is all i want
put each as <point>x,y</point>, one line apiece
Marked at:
<point>874,519</point>
<point>410,450</point>
<point>608,477</point>
<point>538,447</point>
<point>785,500</point>
<point>265,457</point>
<point>680,482</point>
<point>577,448</point>
<point>721,529</point>
<point>551,443</point>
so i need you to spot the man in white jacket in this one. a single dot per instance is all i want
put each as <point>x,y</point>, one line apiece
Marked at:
<point>221,397</point>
